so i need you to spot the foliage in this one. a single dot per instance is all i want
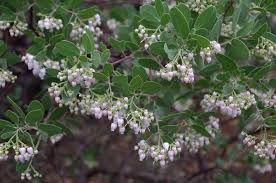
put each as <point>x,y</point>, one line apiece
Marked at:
<point>140,69</point>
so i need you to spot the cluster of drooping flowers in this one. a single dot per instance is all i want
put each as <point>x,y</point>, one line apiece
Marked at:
<point>162,153</point>
<point>165,152</point>
<point>112,24</point>
<point>147,38</point>
<point>50,64</point>
<point>264,148</point>
<point>23,154</point>
<point>34,65</point>
<point>265,49</point>
<point>18,29</point>
<point>200,5</point>
<point>194,141</point>
<point>93,25</point>
<point>50,23</point>
<point>227,29</point>
<point>29,174</point>
<point>263,168</point>
<point>4,25</point>
<point>140,120</point>
<point>208,52</point>
<point>267,98</point>
<point>183,71</point>
<point>231,106</point>
<point>6,77</point>
<point>78,76</point>
<point>55,92</point>
<point>3,152</point>
<point>56,138</point>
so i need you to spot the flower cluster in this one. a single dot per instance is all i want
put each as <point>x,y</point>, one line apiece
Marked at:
<point>55,93</point>
<point>200,5</point>
<point>264,149</point>
<point>227,29</point>
<point>23,154</point>
<point>6,77</point>
<point>56,138</point>
<point>146,38</point>
<point>29,174</point>
<point>50,23</point>
<point>263,168</point>
<point>18,29</point>
<point>268,98</point>
<point>162,153</point>
<point>50,64</point>
<point>4,25</point>
<point>112,24</point>
<point>3,152</point>
<point>184,71</point>
<point>265,49</point>
<point>193,141</point>
<point>208,52</point>
<point>78,76</point>
<point>232,106</point>
<point>34,65</point>
<point>93,25</point>
<point>165,152</point>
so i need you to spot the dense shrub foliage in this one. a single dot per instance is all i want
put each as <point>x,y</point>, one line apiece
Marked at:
<point>167,71</point>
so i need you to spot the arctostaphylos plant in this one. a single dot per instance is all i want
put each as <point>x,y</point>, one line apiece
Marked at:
<point>168,72</point>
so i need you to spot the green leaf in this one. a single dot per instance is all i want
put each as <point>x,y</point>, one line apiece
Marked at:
<point>12,116</point>
<point>215,32</point>
<point>157,48</point>
<point>17,109</point>
<point>21,167</point>
<point>100,76</point>
<point>7,135</point>
<point>206,19</point>
<point>201,129</point>
<point>34,116</point>
<point>3,47</point>
<point>121,83</point>
<point>139,71</point>
<point>136,83</point>
<point>238,50</point>
<point>272,83</point>
<point>180,23</point>
<point>261,71</point>
<point>57,113</point>
<point>202,41</point>
<point>175,116</point>
<point>67,48</point>
<point>151,87</point>
<point>88,12</point>
<point>5,124</point>
<point>227,63</point>
<point>149,63</point>
<point>118,45</point>
<point>159,7</point>
<point>149,13</point>
<point>108,69</point>
<point>50,129</point>
<point>270,37</point>
<point>87,41</point>
<point>260,31</point>
<point>35,105</point>
<point>165,19</point>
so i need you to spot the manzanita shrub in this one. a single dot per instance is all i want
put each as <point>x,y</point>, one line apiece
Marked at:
<point>166,71</point>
